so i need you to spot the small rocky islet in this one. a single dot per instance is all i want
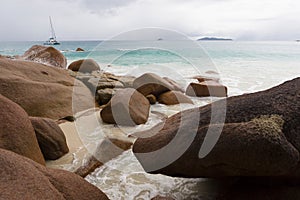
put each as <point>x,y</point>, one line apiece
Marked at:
<point>257,151</point>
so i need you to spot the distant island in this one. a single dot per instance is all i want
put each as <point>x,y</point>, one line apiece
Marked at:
<point>214,39</point>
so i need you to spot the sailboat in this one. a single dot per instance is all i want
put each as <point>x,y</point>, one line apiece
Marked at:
<point>52,40</point>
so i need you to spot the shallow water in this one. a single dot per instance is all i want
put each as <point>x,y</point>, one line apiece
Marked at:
<point>124,178</point>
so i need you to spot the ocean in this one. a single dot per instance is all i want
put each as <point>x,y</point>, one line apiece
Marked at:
<point>243,66</point>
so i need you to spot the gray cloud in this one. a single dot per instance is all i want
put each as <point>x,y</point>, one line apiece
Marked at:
<point>100,19</point>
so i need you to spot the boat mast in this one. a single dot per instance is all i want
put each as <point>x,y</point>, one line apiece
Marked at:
<point>52,29</point>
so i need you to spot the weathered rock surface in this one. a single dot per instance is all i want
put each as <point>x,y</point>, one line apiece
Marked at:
<point>103,96</point>
<point>173,97</point>
<point>84,66</point>
<point>162,198</point>
<point>150,83</point>
<point>207,88</point>
<point>51,138</point>
<point>22,178</point>
<point>259,138</point>
<point>127,107</point>
<point>16,131</point>
<point>41,90</point>
<point>47,55</point>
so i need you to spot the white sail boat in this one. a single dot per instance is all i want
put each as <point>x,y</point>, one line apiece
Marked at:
<point>52,40</point>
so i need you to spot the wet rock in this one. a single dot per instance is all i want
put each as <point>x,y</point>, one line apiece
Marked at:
<point>151,98</point>
<point>47,55</point>
<point>79,49</point>
<point>51,138</point>
<point>150,83</point>
<point>16,131</point>
<point>84,66</point>
<point>42,91</point>
<point>24,179</point>
<point>174,97</point>
<point>259,137</point>
<point>207,88</point>
<point>127,107</point>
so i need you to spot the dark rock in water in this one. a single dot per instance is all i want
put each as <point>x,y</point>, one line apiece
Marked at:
<point>211,72</point>
<point>43,91</point>
<point>174,97</point>
<point>22,178</point>
<point>47,55</point>
<point>51,138</point>
<point>16,131</point>
<point>79,49</point>
<point>207,88</point>
<point>151,98</point>
<point>259,138</point>
<point>127,107</point>
<point>84,66</point>
<point>150,83</point>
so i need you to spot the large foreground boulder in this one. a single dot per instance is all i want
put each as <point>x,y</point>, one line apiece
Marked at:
<point>51,138</point>
<point>47,55</point>
<point>41,90</point>
<point>260,137</point>
<point>16,131</point>
<point>84,66</point>
<point>22,178</point>
<point>127,107</point>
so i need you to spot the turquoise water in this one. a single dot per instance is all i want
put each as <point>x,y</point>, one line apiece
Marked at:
<point>243,66</point>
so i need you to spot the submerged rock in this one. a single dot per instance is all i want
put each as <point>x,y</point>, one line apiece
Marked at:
<point>259,137</point>
<point>47,55</point>
<point>43,91</point>
<point>22,178</point>
<point>16,131</point>
<point>84,66</point>
<point>51,138</point>
<point>79,49</point>
<point>127,107</point>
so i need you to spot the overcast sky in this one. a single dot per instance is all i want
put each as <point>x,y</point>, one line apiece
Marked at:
<point>102,19</point>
